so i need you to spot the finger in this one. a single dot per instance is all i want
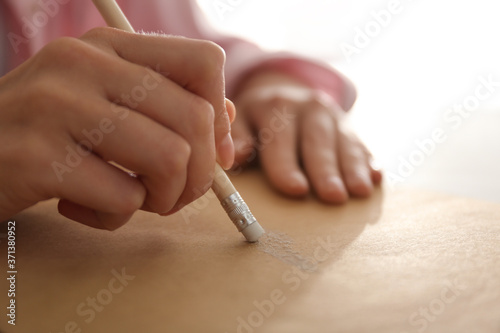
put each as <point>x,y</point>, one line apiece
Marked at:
<point>195,65</point>
<point>176,109</point>
<point>191,118</point>
<point>158,155</point>
<point>79,213</point>
<point>244,143</point>
<point>319,154</point>
<point>354,165</point>
<point>277,146</point>
<point>88,184</point>
<point>226,149</point>
<point>90,217</point>
<point>373,165</point>
<point>231,110</point>
<point>375,171</point>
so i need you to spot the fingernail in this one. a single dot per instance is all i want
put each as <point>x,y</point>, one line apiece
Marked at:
<point>231,110</point>
<point>298,184</point>
<point>336,184</point>
<point>225,152</point>
<point>360,184</point>
<point>363,177</point>
<point>335,189</point>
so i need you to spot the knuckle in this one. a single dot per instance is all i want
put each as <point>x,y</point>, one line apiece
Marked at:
<point>214,57</point>
<point>65,51</point>
<point>47,99</point>
<point>202,116</point>
<point>214,53</point>
<point>98,33</point>
<point>354,154</point>
<point>278,101</point>
<point>174,157</point>
<point>171,167</point>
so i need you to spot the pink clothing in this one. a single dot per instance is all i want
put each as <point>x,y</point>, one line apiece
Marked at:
<point>34,23</point>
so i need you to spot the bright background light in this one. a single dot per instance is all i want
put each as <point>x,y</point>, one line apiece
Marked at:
<point>428,58</point>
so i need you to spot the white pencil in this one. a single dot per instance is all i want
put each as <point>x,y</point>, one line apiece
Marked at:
<point>230,199</point>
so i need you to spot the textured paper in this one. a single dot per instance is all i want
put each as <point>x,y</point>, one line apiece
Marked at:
<point>399,262</point>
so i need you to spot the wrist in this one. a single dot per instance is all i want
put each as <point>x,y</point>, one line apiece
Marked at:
<point>266,85</point>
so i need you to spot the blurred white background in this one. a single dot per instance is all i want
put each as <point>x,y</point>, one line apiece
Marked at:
<point>427,58</point>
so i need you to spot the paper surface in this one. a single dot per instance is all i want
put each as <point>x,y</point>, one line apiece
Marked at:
<point>398,262</point>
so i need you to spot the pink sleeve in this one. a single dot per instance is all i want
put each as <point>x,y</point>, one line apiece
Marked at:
<point>185,18</point>
<point>177,17</point>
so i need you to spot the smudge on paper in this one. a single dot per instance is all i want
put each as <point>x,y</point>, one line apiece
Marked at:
<point>281,246</point>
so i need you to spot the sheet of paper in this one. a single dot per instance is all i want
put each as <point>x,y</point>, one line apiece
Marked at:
<point>399,262</point>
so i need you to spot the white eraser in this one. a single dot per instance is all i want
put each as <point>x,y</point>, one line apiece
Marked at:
<point>253,232</point>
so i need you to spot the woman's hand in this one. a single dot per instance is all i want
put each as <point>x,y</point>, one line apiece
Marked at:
<point>153,105</point>
<point>302,139</point>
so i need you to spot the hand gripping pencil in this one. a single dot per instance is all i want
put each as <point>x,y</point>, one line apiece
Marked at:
<point>230,199</point>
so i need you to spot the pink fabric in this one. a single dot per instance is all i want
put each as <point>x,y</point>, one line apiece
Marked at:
<point>177,17</point>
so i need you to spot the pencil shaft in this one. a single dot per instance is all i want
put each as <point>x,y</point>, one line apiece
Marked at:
<point>113,15</point>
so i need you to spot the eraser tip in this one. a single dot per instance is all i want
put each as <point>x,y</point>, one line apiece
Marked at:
<point>253,232</point>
